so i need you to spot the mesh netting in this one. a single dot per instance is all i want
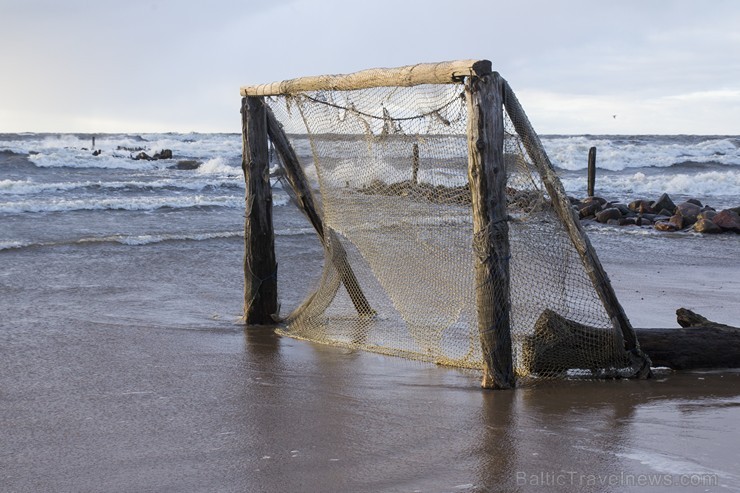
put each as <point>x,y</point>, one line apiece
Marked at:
<point>391,167</point>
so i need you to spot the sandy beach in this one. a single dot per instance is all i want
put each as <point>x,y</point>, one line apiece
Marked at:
<point>99,393</point>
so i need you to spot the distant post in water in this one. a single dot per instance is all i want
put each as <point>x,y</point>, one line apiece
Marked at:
<point>591,172</point>
<point>260,266</point>
<point>415,164</point>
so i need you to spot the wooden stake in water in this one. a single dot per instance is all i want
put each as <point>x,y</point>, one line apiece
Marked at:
<point>260,266</point>
<point>591,171</point>
<point>487,178</point>
<point>415,164</point>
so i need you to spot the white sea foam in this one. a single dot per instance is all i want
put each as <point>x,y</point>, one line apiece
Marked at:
<point>616,153</point>
<point>136,203</point>
<point>28,186</point>
<point>75,158</point>
<point>723,186</point>
<point>131,240</point>
<point>118,203</point>
<point>218,166</point>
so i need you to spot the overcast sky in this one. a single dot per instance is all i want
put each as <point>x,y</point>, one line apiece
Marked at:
<point>661,67</point>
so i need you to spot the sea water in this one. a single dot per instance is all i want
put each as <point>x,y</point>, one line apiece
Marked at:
<point>67,189</point>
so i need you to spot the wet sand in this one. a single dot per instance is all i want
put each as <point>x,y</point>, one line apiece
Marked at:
<point>137,378</point>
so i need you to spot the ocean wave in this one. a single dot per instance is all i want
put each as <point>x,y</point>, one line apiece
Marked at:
<point>29,187</point>
<point>723,185</point>
<point>84,159</point>
<point>130,240</point>
<point>218,166</point>
<point>129,203</point>
<point>145,239</point>
<point>75,150</point>
<point>617,153</point>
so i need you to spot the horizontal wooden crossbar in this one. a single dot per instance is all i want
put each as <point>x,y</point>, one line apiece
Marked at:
<point>410,75</point>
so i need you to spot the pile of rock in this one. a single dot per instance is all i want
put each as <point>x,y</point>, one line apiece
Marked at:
<point>662,214</point>
<point>163,154</point>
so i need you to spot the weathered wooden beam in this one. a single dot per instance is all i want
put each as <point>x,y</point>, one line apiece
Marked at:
<point>410,75</point>
<point>559,344</point>
<point>260,266</point>
<point>563,209</point>
<point>487,178</point>
<point>699,343</point>
<point>299,183</point>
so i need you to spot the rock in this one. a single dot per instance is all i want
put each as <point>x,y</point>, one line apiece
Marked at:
<point>676,220</point>
<point>608,214</point>
<point>641,221</point>
<point>97,152</point>
<point>736,210</point>
<point>594,199</point>
<point>613,222</point>
<point>622,208</point>
<point>665,226</point>
<point>186,164</point>
<point>695,202</point>
<point>589,210</point>
<point>728,220</point>
<point>628,221</point>
<point>142,156</point>
<point>640,206</point>
<point>664,202</point>
<point>689,211</point>
<point>708,214</point>
<point>707,227</point>
<point>666,212</point>
<point>661,217</point>
<point>163,154</point>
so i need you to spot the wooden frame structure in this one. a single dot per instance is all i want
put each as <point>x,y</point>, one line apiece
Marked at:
<point>486,95</point>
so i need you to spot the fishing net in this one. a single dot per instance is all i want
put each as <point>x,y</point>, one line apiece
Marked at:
<point>389,167</point>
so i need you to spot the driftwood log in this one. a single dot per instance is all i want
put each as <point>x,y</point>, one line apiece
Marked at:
<point>560,344</point>
<point>699,343</point>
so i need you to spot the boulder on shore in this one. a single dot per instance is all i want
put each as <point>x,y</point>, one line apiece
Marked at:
<point>728,220</point>
<point>608,214</point>
<point>664,203</point>
<point>689,210</point>
<point>640,205</point>
<point>706,226</point>
<point>665,226</point>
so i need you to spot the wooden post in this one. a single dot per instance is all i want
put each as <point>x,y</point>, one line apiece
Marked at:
<point>415,164</point>
<point>591,171</point>
<point>299,183</point>
<point>260,266</point>
<point>580,241</point>
<point>487,177</point>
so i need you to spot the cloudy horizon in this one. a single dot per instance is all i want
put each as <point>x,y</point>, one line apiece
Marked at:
<point>578,67</point>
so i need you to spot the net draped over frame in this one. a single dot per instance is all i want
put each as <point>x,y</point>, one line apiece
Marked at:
<point>390,171</point>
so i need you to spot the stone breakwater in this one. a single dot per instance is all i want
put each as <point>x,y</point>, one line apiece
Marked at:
<point>661,214</point>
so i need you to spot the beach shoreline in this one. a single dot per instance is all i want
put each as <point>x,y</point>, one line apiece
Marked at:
<point>125,392</point>
<point>652,278</point>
